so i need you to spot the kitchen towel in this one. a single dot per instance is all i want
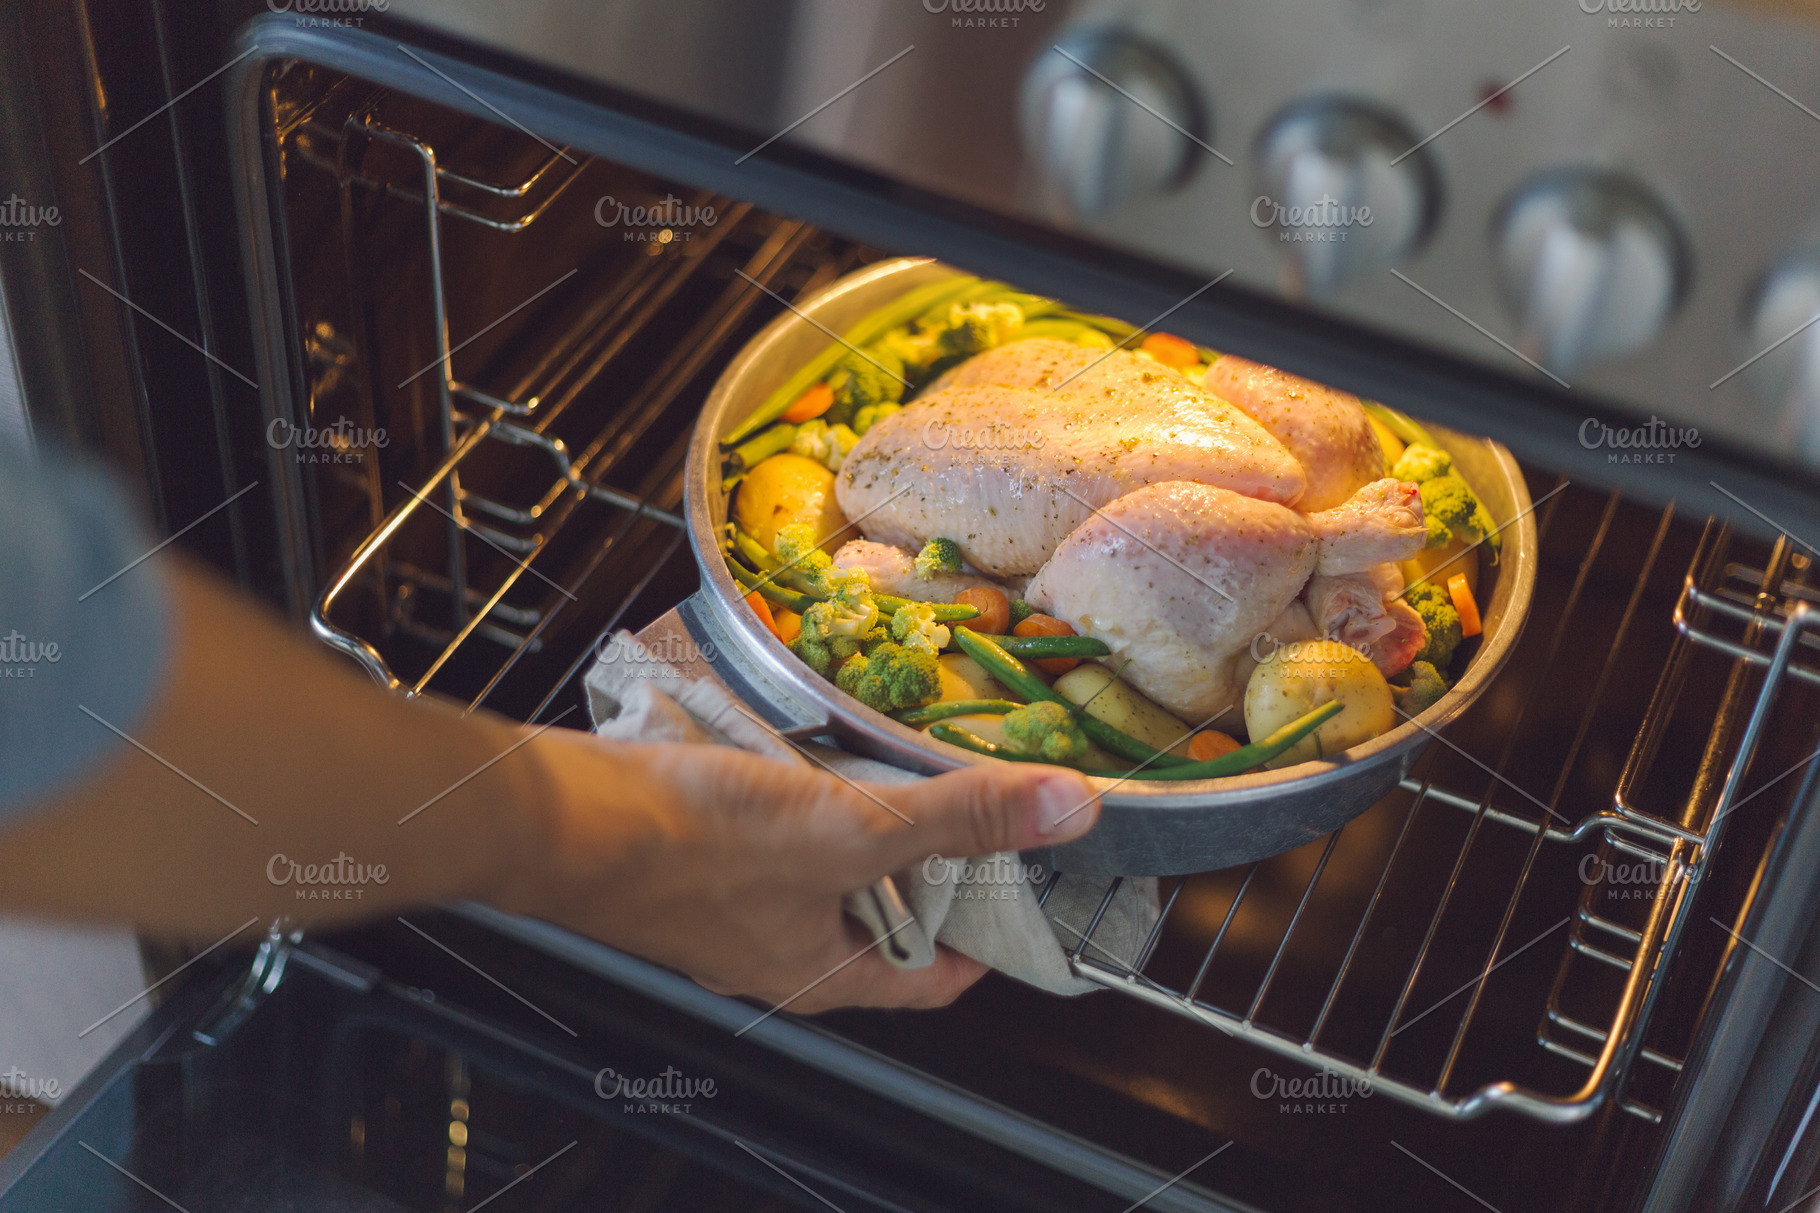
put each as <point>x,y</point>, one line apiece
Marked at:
<point>986,908</point>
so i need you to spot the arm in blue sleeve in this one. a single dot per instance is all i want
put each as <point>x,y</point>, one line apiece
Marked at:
<point>70,658</point>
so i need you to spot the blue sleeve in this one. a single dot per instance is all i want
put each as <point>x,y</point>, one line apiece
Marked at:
<point>84,630</point>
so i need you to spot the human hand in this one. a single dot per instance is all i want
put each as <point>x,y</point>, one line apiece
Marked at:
<point>731,867</point>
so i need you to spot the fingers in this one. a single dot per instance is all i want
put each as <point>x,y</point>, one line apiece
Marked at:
<point>979,811</point>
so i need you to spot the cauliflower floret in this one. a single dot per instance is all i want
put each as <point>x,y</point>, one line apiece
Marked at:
<point>826,444</point>
<point>914,627</point>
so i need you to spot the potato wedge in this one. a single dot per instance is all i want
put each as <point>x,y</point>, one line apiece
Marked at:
<point>1300,677</point>
<point>790,488</point>
<point>1121,705</point>
<point>964,678</point>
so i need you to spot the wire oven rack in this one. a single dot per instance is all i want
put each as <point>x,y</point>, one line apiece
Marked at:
<point>1764,615</point>
<point>1776,619</point>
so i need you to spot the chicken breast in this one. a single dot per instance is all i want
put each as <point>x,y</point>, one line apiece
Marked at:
<point>1177,579</point>
<point>1326,430</point>
<point>1014,449</point>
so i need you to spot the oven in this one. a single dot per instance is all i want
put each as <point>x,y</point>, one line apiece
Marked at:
<point>402,316</point>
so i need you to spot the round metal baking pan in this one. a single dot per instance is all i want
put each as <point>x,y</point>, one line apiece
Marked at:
<point>1146,828</point>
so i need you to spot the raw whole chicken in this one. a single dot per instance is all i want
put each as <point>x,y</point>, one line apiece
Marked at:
<point>1017,446</point>
<point>1324,429</point>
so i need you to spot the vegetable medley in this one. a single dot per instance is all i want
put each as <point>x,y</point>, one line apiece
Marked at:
<point>989,673</point>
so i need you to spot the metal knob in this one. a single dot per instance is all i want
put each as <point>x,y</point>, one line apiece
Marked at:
<point>1341,193</point>
<point>1108,117</point>
<point>1782,336</point>
<point>1591,265</point>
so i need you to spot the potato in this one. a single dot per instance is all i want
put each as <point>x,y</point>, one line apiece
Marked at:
<point>965,678</point>
<point>785,489</point>
<point>1425,562</point>
<point>1393,446</point>
<point>1299,678</point>
<point>1121,705</point>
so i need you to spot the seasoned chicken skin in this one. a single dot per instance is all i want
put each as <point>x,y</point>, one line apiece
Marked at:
<point>1177,579</point>
<point>1326,430</point>
<point>1381,522</point>
<point>1013,449</point>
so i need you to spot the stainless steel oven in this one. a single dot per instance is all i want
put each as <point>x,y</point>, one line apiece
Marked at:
<point>430,294</point>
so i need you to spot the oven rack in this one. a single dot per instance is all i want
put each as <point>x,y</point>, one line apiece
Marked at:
<point>1777,622</point>
<point>480,529</point>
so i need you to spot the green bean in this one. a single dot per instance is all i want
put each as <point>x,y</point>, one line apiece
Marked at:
<point>945,612</point>
<point>901,310</point>
<point>1039,647</point>
<point>916,718</point>
<point>1239,761</point>
<point>1019,680</point>
<point>762,446</point>
<point>751,581</point>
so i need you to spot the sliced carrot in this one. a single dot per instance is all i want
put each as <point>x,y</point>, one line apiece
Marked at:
<point>1463,602</point>
<point>994,609</point>
<point>1171,350</point>
<point>762,609</point>
<point>789,623</point>
<point>1209,744</point>
<point>1047,625</point>
<point>811,404</point>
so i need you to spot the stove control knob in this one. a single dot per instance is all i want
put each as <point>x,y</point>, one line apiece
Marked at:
<point>1780,319</point>
<point>1107,118</point>
<point>1341,193</point>
<point>1590,264</point>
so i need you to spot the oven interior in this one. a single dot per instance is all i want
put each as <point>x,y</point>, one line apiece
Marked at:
<point>513,373</point>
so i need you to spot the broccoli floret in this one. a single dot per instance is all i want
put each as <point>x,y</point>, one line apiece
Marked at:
<point>1451,500</point>
<point>835,630</point>
<point>1438,532</point>
<point>1422,462</point>
<point>1020,611</point>
<point>914,627</point>
<point>871,415</point>
<point>826,444</point>
<point>861,379</point>
<point>891,677</point>
<point>813,569</point>
<point>938,556</point>
<point>1439,617</point>
<point>1046,730</point>
<point>973,327</point>
<point>1424,688</point>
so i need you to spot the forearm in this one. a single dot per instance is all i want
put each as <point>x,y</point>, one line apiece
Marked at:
<point>287,757</point>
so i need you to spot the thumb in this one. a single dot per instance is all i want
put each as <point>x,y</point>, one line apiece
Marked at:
<point>984,809</point>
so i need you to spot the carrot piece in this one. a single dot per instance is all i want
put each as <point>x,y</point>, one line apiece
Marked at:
<point>812,403</point>
<point>993,607</point>
<point>789,623</point>
<point>1463,602</point>
<point>1047,625</point>
<point>1171,350</point>
<point>762,609</point>
<point>1209,744</point>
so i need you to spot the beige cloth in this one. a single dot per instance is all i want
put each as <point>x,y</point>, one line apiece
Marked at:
<point>983,908</point>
